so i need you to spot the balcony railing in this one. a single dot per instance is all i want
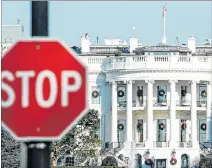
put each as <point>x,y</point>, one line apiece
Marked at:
<point>164,62</point>
<point>202,103</point>
<point>139,103</point>
<point>183,103</point>
<point>139,144</point>
<point>184,144</point>
<point>160,103</point>
<point>134,103</point>
<point>157,144</point>
<point>122,103</point>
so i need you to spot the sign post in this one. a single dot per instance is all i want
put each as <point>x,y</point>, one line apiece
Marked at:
<point>38,153</point>
<point>44,90</point>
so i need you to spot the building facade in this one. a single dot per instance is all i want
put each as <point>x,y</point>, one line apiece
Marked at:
<point>154,102</point>
<point>10,35</point>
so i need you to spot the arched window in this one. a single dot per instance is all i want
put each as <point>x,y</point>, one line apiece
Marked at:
<point>184,161</point>
<point>138,161</point>
<point>69,161</point>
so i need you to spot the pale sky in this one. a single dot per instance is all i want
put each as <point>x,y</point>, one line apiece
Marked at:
<point>70,20</point>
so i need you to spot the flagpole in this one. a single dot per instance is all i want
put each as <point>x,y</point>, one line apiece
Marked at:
<point>164,24</point>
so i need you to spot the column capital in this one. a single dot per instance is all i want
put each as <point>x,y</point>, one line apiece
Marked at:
<point>193,82</point>
<point>149,81</point>
<point>172,81</point>
<point>130,81</point>
<point>208,82</point>
<point>112,82</point>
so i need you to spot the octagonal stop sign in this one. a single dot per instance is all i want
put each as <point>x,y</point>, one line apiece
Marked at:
<point>44,89</point>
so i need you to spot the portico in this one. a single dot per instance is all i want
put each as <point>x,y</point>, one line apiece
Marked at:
<point>149,108</point>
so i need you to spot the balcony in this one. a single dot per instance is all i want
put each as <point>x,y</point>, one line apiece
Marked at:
<point>136,105</point>
<point>162,105</point>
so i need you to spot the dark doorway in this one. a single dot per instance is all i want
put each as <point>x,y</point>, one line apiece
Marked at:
<point>161,163</point>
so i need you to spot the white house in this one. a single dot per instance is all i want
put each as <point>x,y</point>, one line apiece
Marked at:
<point>154,101</point>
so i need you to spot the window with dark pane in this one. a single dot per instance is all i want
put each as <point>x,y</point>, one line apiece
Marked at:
<point>140,130</point>
<point>161,130</point>
<point>121,130</point>
<point>202,130</point>
<point>69,161</point>
<point>162,94</point>
<point>121,95</point>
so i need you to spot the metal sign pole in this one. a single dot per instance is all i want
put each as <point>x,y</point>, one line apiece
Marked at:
<point>38,153</point>
<point>39,18</point>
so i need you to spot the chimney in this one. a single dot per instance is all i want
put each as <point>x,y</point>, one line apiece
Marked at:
<point>192,43</point>
<point>133,44</point>
<point>85,44</point>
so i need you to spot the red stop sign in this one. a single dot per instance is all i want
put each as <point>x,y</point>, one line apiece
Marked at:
<point>44,90</point>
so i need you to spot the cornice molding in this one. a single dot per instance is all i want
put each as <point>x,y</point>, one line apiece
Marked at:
<point>149,71</point>
<point>149,81</point>
<point>172,81</point>
<point>158,71</point>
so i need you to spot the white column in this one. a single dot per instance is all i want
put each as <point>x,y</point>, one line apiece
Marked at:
<point>114,113</point>
<point>150,132</point>
<point>103,92</point>
<point>172,112</point>
<point>209,114</point>
<point>194,114</point>
<point>129,111</point>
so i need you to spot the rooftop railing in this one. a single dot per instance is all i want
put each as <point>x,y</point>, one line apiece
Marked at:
<point>147,62</point>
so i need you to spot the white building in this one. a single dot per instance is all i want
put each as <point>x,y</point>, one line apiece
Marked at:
<point>10,35</point>
<point>154,101</point>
